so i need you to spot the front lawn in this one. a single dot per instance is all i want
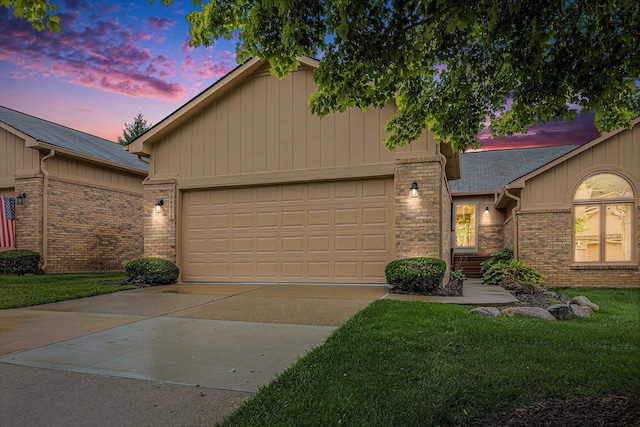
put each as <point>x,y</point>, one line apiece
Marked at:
<point>24,291</point>
<point>419,364</point>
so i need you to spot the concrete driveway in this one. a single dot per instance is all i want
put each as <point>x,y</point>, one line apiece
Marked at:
<point>173,355</point>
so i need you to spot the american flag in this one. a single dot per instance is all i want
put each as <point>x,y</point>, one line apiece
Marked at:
<point>7,222</point>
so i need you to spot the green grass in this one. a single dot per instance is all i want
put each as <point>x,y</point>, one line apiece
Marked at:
<point>419,364</point>
<point>24,291</point>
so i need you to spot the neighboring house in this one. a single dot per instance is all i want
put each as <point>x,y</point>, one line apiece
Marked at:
<point>572,213</point>
<point>246,185</point>
<point>251,187</point>
<point>78,198</point>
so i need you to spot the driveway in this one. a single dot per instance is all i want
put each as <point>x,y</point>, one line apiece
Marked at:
<point>173,355</point>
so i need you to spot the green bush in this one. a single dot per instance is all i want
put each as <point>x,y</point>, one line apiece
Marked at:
<point>514,275</point>
<point>420,275</point>
<point>19,262</point>
<point>152,271</point>
<point>503,255</point>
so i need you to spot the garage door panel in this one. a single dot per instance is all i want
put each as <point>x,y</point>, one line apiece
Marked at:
<point>321,232</point>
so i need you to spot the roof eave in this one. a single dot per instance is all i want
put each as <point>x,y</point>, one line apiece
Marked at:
<point>86,157</point>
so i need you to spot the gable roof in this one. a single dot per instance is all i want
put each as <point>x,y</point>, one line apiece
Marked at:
<point>489,171</point>
<point>75,141</point>
<point>140,145</point>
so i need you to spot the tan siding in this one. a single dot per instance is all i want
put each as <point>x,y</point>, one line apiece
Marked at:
<point>264,125</point>
<point>554,187</point>
<point>80,171</point>
<point>14,156</point>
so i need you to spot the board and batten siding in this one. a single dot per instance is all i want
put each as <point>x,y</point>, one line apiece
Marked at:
<point>14,156</point>
<point>554,188</point>
<point>72,169</point>
<point>264,125</point>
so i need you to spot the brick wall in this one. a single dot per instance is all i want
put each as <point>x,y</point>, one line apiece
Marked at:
<point>418,224</point>
<point>544,243</point>
<point>507,234</point>
<point>490,239</point>
<point>91,228</point>
<point>160,228</point>
<point>29,214</point>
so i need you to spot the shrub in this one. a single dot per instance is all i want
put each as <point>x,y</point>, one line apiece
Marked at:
<point>19,262</point>
<point>458,275</point>
<point>514,275</point>
<point>152,271</point>
<point>503,255</point>
<point>421,275</point>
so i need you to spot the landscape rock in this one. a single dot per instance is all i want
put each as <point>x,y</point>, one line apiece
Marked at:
<point>562,311</point>
<point>582,300</point>
<point>533,312</point>
<point>564,298</point>
<point>581,310</point>
<point>486,311</point>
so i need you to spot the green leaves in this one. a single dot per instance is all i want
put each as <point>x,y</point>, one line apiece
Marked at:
<point>37,12</point>
<point>451,64</point>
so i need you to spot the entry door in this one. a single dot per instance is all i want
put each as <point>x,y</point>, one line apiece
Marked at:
<point>466,227</point>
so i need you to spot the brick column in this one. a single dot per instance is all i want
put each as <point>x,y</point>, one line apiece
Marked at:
<point>419,228</point>
<point>29,214</point>
<point>160,228</point>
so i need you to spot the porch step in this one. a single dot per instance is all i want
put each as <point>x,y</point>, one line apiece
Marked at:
<point>470,264</point>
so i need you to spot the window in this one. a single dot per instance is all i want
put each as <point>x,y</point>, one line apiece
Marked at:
<point>466,226</point>
<point>603,220</point>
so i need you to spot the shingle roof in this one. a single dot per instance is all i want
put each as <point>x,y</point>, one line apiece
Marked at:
<point>491,170</point>
<point>71,139</point>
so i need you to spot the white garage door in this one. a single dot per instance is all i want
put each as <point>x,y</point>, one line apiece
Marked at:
<point>339,232</point>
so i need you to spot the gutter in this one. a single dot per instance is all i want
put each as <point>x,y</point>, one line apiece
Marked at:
<point>45,186</point>
<point>514,212</point>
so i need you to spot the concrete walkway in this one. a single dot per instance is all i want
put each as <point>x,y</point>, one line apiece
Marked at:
<point>180,355</point>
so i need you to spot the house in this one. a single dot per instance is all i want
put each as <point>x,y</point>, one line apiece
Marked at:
<point>246,185</point>
<point>572,213</point>
<point>77,197</point>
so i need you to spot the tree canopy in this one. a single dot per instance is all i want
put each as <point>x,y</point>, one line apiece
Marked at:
<point>39,13</point>
<point>133,130</point>
<point>453,65</point>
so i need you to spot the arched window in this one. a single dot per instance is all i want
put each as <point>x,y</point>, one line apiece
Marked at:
<point>603,220</point>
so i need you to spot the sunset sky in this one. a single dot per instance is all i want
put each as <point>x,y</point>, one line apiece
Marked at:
<point>115,59</point>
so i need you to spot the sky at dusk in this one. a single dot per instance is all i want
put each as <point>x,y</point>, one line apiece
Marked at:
<point>115,59</point>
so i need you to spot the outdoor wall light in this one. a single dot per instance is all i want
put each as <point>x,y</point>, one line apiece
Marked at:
<point>486,210</point>
<point>159,204</point>
<point>414,190</point>
<point>21,198</point>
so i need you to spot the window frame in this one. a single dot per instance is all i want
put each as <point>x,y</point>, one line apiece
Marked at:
<point>602,211</point>
<point>465,249</point>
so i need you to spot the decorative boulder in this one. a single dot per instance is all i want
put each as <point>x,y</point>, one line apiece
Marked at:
<point>533,312</point>
<point>581,310</point>
<point>486,311</point>
<point>582,300</point>
<point>562,311</point>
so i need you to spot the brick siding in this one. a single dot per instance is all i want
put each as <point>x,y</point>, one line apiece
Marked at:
<point>418,225</point>
<point>90,229</point>
<point>544,243</point>
<point>490,239</point>
<point>160,228</point>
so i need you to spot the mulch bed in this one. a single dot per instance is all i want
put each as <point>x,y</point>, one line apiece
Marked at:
<point>585,411</point>
<point>453,289</point>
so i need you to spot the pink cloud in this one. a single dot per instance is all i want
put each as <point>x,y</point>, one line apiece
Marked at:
<point>198,63</point>
<point>161,24</point>
<point>104,55</point>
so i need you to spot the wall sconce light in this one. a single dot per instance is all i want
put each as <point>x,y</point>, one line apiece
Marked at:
<point>21,197</point>
<point>486,210</point>
<point>414,190</point>
<point>159,204</point>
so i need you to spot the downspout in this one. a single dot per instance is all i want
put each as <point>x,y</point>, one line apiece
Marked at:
<point>443,163</point>
<point>515,221</point>
<point>140,159</point>
<point>45,185</point>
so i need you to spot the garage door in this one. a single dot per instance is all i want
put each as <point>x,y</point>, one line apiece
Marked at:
<point>339,232</point>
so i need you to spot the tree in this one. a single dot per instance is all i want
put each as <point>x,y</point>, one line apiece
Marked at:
<point>133,130</point>
<point>37,12</point>
<point>452,65</point>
